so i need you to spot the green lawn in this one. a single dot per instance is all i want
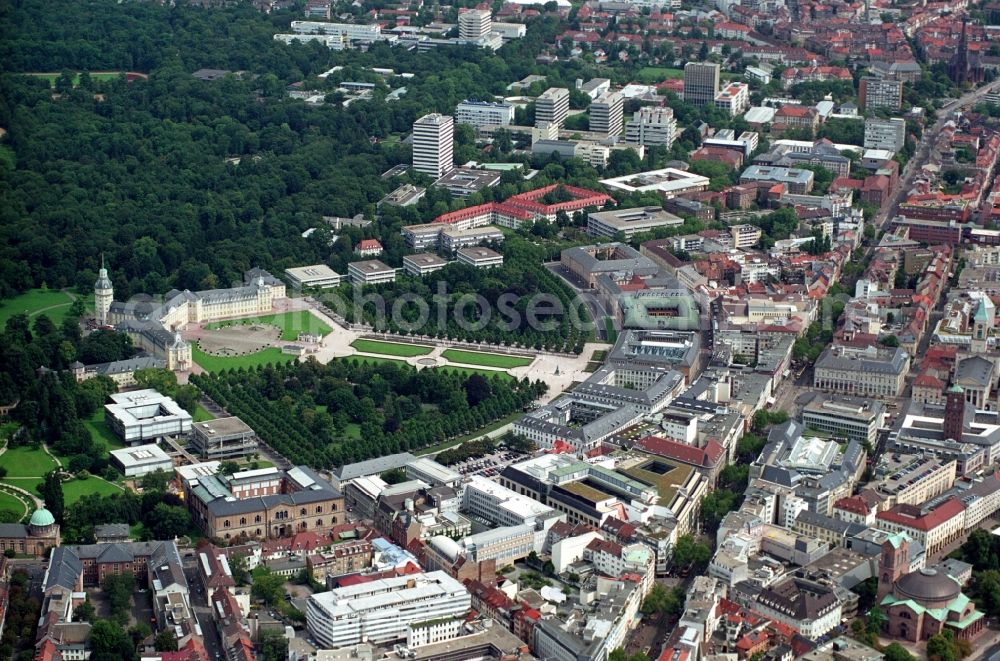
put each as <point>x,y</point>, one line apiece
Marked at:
<point>99,431</point>
<point>26,462</point>
<point>353,430</point>
<point>290,323</point>
<point>485,359</point>
<point>212,363</point>
<point>13,504</point>
<point>391,348</point>
<point>201,414</point>
<point>53,302</point>
<point>29,484</point>
<point>74,490</point>
<point>469,371</point>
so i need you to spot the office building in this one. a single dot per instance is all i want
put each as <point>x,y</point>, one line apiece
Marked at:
<point>474,24</point>
<point>845,417</point>
<point>320,276</point>
<point>383,611</point>
<point>484,113</point>
<point>433,145</point>
<point>223,438</point>
<point>875,93</point>
<point>796,181</point>
<point>651,127</point>
<point>888,134</point>
<point>552,106</point>
<point>140,460</point>
<point>423,263</point>
<point>142,416</point>
<point>701,82</point>
<point>370,272</point>
<point>479,257</point>
<point>606,113</point>
<point>871,372</point>
<point>630,221</point>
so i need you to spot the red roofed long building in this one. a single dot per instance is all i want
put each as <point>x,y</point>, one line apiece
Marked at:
<point>525,207</point>
<point>707,460</point>
<point>934,528</point>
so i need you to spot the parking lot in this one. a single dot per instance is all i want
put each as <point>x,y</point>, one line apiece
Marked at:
<point>489,465</point>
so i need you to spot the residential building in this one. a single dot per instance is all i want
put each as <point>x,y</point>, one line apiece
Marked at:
<point>810,608</point>
<point>734,98</point>
<point>141,416</point>
<point>370,272</point>
<point>423,263</point>
<point>223,438</point>
<point>651,126</point>
<point>629,222</point>
<point>888,134</point>
<point>701,82</point>
<point>484,113</point>
<point>474,24</point>
<point>479,257</point>
<point>552,106</point>
<point>872,371</point>
<point>845,417</point>
<point>606,113</point>
<point>745,236</point>
<point>384,610</point>
<point>139,460</point>
<point>368,248</point>
<point>433,145</point>
<point>875,93</point>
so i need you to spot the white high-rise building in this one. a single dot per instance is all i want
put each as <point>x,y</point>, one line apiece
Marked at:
<point>433,144</point>
<point>607,113</point>
<point>383,611</point>
<point>474,24</point>
<point>734,98</point>
<point>484,113</point>
<point>885,133</point>
<point>104,295</point>
<point>652,126</point>
<point>552,106</point>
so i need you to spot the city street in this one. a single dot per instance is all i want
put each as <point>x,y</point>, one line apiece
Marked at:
<point>202,608</point>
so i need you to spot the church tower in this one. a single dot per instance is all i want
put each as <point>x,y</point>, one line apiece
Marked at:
<point>982,324</point>
<point>104,294</point>
<point>893,562</point>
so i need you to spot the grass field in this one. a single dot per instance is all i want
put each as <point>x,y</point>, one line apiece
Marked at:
<point>12,503</point>
<point>290,323</point>
<point>212,363</point>
<point>74,490</point>
<point>201,414</point>
<point>391,348</point>
<point>53,77</point>
<point>99,431</point>
<point>26,462</point>
<point>485,359</point>
<point>29,484</point>
<point>469,371</point>
<point>53,302</point>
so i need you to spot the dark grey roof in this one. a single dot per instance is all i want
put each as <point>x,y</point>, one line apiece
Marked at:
<point>927,585</point>
<point>882,361</point>
<point>64,568</point>
<point>975,371</point>
<point>780,476</point>
<point>111,530</point>
<point>372,466</point>
<point>13,530</point>
<point>823,521</point>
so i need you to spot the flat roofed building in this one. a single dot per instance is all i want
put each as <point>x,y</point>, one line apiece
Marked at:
<point>481,258</point>
<point>652,127</point>
<point>144,415</point>
<point>552,106</point>
<point>433,145</point>
<point>370,272</point>
<point>404,196</point>
<point>845,417</point>
<point>607,113</point>
<point>141,459</point>
<point>734,98</point>
<point>453,238</point>
<point>317,275</point>
<point>474,24</point>
<point>463,182</point>
<point>797,181</point>
<point>382,611</point>
<point>421,237</point>
<point>484,113</point>
<point>668,182</point>
<point>423,263</point>
<point>223,438</point>
<point>887,134</point>
<point>629,221</point>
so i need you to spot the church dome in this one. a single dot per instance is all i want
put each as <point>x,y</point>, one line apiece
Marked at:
<point>41,518</point>
<point>928,587</point>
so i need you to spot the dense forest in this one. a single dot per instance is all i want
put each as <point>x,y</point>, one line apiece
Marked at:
<point>186,183</point>
<point>307,411</point>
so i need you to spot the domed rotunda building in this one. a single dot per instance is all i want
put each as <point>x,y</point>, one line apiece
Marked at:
<point>41,533</point>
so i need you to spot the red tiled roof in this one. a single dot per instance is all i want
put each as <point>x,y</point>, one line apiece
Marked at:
<point>369,244</point>
<point>854,504</point>
<point>688,454</point>
<point>910,517</point>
